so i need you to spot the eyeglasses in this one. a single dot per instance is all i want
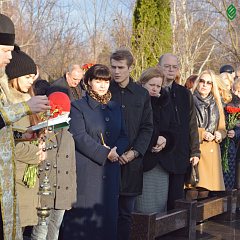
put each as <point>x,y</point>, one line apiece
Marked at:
<point>210,83</point>
<point>174,67</point>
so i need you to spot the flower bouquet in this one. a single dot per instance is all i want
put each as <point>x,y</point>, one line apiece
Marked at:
<point>231,120</point>
<point>87,66</point>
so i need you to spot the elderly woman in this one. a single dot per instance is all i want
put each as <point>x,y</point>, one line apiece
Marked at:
<point>211,128</point>
<point>98,129</point>
<point>157,162</point>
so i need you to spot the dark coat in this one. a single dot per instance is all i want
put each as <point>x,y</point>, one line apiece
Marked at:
<point>61,85</point>
<point>188,142</point>
<point>229,177</point>
<point>97,177</point>
<point>164,124</point>
<point>137,111</point>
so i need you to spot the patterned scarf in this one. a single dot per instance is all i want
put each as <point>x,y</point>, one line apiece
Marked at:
<point>104,99</point>
<point>207,112</point>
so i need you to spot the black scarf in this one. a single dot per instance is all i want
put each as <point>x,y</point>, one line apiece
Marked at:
<point>207,112</point>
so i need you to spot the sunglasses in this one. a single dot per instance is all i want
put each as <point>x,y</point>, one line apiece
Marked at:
<point>206,82</point>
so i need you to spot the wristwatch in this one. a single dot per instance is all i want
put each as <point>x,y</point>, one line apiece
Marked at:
<point>136,153</point>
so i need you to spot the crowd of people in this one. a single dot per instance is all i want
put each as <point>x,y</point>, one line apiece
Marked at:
<point>127,147</point>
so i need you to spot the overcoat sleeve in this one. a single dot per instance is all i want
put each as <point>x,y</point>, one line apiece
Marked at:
<point>222,125</point>
<point>84,143</point>
<point>26,153</point>
<point>142,141</point>
<point>193,130</point>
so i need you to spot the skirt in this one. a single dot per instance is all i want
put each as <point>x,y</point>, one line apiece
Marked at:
<point>155,191</point>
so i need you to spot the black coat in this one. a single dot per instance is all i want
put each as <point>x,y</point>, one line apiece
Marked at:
<point>61,85</point>
<point>185,113</point>
<point>97,177</point>
<point>137,112</point>
<point>164,124</point>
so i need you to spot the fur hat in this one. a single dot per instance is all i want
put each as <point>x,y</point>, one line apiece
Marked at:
<point>61,100</point>
<point>20,65</point>
<point>7,31</point>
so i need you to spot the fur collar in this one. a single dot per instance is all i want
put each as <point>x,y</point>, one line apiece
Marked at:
<point>163,100</point>
<point>13,96</point>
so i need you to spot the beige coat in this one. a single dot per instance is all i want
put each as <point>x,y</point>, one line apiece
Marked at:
<point>210,165</point>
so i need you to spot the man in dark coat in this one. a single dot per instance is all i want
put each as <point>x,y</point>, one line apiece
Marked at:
<point>137,112</point>
<point>188,145</point>
<point>71,83</point>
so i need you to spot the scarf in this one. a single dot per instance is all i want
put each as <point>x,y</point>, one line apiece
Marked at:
<point>104,99</point>
<point>207,112</point>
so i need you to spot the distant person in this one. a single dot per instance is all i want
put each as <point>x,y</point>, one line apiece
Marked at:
<point>228,80</point>
<point>236,87</point>
<point>190,82</point>
<point>228,69</point>
<point>237,73</point>
<point>225,93</point>
<point>41,87</point>
<point>71,83</point>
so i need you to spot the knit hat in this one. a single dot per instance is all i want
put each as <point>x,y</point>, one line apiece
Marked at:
<point>61,100</point>
<point>20,65</point>
<point>227,69</point>
<point>7,31</point>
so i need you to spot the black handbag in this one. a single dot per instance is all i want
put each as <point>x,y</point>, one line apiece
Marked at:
<point>192,175</point>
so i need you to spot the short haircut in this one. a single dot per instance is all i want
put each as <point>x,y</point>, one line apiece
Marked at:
<point>149,74</point>
<point>166,54</point>
<point>97,71</point>
<point>73,67</point>
<point>122,55</point>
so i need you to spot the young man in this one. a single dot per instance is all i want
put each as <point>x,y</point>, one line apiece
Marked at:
<point>188,145</point>
<point>9,217</point>
<point>137,112</point>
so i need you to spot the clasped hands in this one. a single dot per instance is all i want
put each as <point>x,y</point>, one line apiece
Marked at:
<point>112,156</point>
<point>217,136</point>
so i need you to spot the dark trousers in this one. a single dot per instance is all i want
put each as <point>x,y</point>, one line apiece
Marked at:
<point>125,208</point>
<point>175,190</point>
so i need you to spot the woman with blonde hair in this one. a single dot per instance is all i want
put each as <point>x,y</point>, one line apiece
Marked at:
<point>223,91</point>
<point>228,79</point>
<point>211,128</point>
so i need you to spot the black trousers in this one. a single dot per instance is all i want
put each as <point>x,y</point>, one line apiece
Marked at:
<point>175,190</point>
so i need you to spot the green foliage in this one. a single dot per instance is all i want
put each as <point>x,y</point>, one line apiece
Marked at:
<point>152,33</point>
